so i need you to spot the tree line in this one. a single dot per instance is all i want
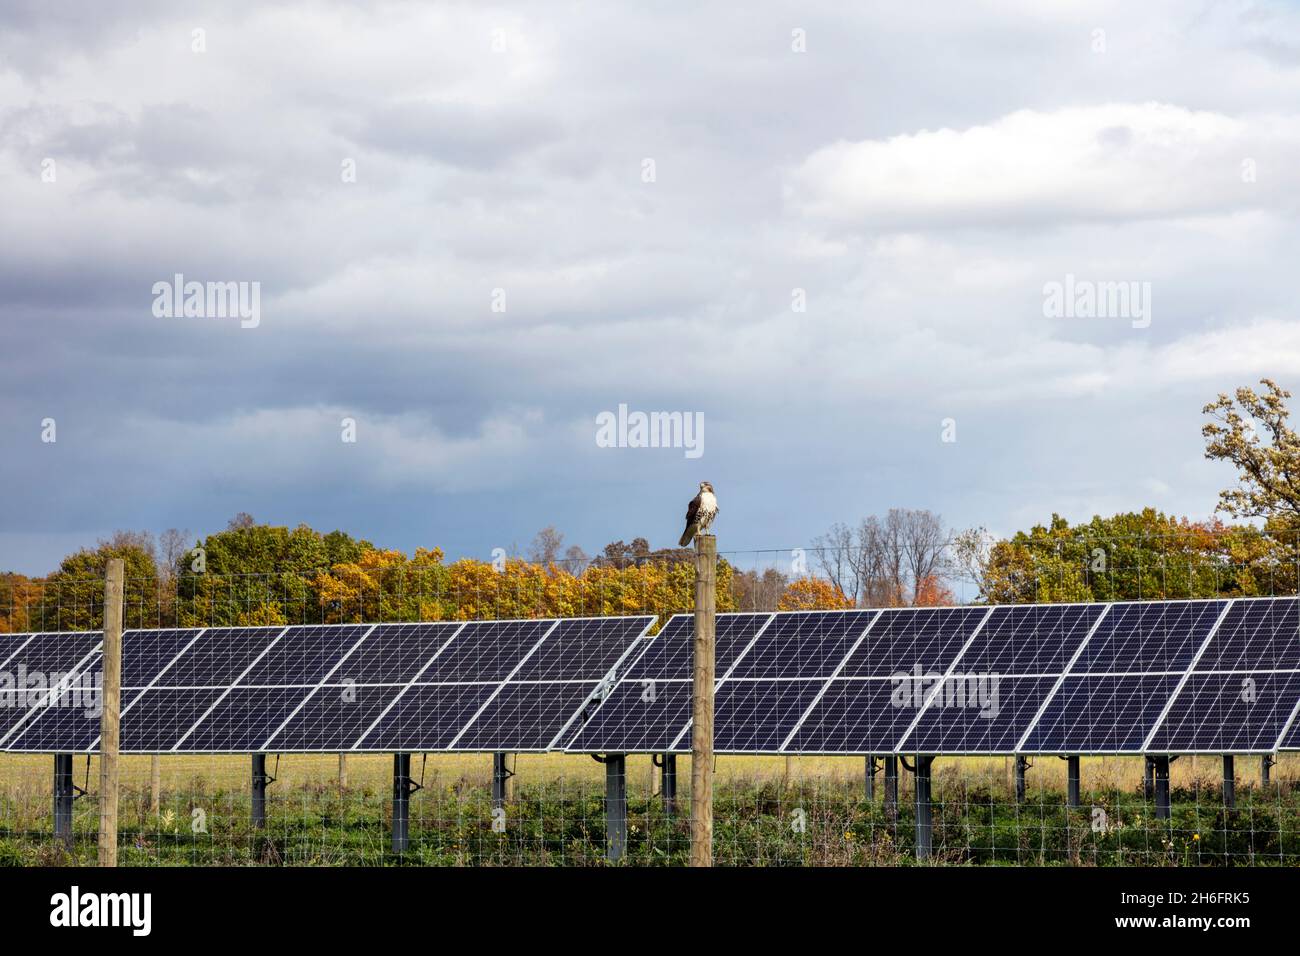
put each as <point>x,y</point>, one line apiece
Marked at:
<point>257,574</point>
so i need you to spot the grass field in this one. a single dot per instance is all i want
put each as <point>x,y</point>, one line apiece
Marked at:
<point>812,813</point>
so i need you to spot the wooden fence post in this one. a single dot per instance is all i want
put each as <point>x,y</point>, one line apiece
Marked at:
<point>111,699</point>
<point>343,771</point>
<point>706,605</point>
<point>155,783</point>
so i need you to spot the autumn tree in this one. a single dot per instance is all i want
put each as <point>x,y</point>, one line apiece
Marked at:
<point>1253,433</point>
<point>1141,555</point>
<point>72,598</point>
<point>260,574</point>
<point>20,599</point>
<point>813,594</point>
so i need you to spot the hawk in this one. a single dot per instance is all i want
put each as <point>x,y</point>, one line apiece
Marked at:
<point>700,513</point>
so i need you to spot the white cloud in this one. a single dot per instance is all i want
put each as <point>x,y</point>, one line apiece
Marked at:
<point>1117,161</point>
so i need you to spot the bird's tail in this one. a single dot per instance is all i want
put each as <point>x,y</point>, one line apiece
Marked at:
<point>686,536</point>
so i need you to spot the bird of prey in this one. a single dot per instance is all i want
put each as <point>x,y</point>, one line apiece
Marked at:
<point>700,513</point>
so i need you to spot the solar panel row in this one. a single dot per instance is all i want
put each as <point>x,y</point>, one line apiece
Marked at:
<point>1183,676</point>
<point>429,686</point>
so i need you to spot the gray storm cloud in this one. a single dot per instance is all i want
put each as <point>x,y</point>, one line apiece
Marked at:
<point>919,196</point>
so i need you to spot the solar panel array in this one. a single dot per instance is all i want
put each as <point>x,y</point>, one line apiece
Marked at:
<point>1212,676</point>
<point>317,688</point>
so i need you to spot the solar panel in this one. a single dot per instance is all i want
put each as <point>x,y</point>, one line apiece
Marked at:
<point>145,654</point>
<point>1256,633</point>
<point>1149,637</point>
<point>531,714</point>
<point>66,720</point>
<point>11,644</point>
<point>905,639</point>
<point>670,654</point>
<point>856,717</point>
<point>582,648</point>
<point>1228,713</point>
<point>524,717</point>
<point>363,688</point>
<point>304,655</point>
<point>978,714</point>
<point>219,656</point>
<point>333,718</point>
<point>1102,713</point>
<point>1291,738</point>
<point>756,716</point>
<point>395,653</point>
<point>803,644</point>
<point>651,705</point>
<point>42,673</point>
<point>47,655</point>
<point>427,717</point>
<point>1030,639</point>
<point>488,650</point>
<point>163,716</point>
<point>240,720</point>
<point>640,716</point>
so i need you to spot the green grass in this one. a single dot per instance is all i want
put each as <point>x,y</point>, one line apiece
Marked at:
<point>558,815</point>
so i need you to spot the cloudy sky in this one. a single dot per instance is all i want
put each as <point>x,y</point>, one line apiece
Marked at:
<point>649,191</point>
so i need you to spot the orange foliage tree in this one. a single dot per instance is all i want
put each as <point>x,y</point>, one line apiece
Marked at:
<point>812,594</point>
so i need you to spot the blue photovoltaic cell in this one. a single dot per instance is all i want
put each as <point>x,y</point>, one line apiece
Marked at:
<point>242,720</point>
<point>1101,714</point>
<point>641,716</point>
<point>856,717</point>
<point>1292,739</point>
<point>146,653</point>
<point>335,717</point>
<point>804,644</point>
<point>904,640</point>
<point>394,653</point>
<point>524,717</point>
<point>70,721</point>
<point>57,730</point>
<point>486,651</point>
<point>1258,634</point>
<point>10,644</point>
<point>427,717</point>
<point>756,716</point>
<point>671,653</point>
<point>583,649</point>
<point>304,655</point>
<point>1029,639</point>
<point>1149,636</point>
<point>28,698</point>
<point>160,717</point>
<point>218,657</point>
<point>1228,713</point>
<point>53,653</point>
<point>66,722</point>
<point>974,713</point>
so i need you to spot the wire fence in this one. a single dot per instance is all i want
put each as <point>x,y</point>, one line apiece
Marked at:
<point>769,810</point>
